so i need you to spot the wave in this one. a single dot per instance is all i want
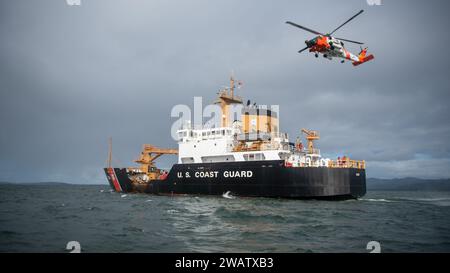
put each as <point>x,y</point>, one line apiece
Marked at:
<point>376,200</point>
<point>240,214</point>
<point>228,195</point>
<point>133,229</point>
<point>93,208</point>
<point>9,232</point>
<point>442,201</point>
<point>427,199</point>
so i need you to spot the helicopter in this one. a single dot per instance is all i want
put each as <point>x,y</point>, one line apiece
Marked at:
<point>331,47</point>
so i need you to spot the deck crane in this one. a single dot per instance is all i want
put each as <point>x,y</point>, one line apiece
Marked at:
<point>310,137</point>
<point>148,156</point>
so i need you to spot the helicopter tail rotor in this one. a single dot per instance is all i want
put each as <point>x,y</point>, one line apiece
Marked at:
<point>363,58</point>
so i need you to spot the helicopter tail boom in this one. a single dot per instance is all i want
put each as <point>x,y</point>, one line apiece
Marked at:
<point>363,60</point>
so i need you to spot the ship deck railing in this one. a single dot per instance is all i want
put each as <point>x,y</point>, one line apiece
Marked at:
<point>255,136</point>
<point>261,146</point>
<point>347,163</point>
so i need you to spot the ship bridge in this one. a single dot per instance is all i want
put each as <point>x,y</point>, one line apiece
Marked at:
<point>229,144</point>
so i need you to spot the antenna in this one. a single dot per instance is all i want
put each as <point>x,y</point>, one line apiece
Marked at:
<point>232,84</point>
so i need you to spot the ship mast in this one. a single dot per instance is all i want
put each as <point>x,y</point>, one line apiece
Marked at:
<point>226,98</point>
<point>232,86</point>
<point>110,152</point>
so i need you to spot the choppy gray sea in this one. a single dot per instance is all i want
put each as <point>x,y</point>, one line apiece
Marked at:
<point>44,218</point>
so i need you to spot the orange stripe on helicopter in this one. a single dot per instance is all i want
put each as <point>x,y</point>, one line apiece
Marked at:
<point>321,45</point>
<point>322,41</point>
<point>347,54</point>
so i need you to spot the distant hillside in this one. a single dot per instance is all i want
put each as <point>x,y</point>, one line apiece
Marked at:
<point>408,184</point>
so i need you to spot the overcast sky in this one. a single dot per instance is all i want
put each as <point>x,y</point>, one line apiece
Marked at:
<point>71,76</point>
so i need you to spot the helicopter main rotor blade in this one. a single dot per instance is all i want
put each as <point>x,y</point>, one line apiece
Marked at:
<point>361,11</point>
<point>350,41</point>
<point>300,51</point>
<point>304,28</point>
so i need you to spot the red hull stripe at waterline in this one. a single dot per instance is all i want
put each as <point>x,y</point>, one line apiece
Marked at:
<point>113,176</point>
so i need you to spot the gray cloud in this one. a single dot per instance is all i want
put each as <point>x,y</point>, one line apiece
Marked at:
<point>72,76</point>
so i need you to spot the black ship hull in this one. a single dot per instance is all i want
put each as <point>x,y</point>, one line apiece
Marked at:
<point>251,178</point>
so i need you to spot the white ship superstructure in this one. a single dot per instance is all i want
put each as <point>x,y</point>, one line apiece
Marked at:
<point>254,137</point>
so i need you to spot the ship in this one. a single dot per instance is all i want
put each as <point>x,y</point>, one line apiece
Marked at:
<point>245,155</point>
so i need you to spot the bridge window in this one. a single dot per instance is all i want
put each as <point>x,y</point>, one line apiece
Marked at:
<point>253,157</point>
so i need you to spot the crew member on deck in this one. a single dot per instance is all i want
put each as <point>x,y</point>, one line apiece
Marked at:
<point>298,144</point>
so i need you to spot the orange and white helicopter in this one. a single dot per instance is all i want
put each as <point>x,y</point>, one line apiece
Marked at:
<point>334,47</point>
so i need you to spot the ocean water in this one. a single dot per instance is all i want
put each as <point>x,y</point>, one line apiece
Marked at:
<point>44,218</point>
